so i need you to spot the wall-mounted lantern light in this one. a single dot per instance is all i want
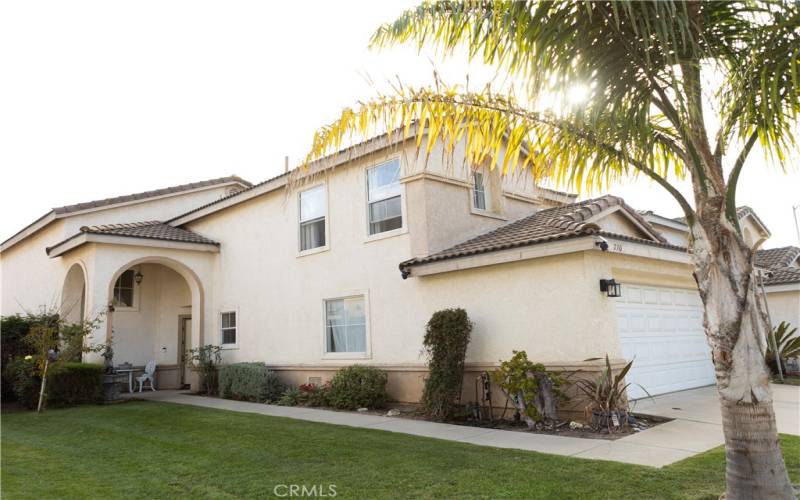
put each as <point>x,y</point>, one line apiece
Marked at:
<point>138,277</point>
<point>611,288</point>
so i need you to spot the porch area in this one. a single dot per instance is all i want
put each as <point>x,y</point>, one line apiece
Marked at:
<point>147,293</point>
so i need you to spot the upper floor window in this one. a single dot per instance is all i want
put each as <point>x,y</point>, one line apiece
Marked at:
<point>384,205</point>
<point>228,327</point>
<point>312,218</point>
<point>124,291</point>
<point>478,192</point>
<point>345,325</point>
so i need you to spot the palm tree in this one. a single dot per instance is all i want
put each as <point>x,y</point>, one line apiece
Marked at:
<point>646,68</point>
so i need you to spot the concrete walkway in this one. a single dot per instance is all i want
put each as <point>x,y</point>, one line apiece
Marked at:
<point>696,428</point>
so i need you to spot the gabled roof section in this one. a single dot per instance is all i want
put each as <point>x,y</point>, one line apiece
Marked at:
<point>559,223</point>
<point>149,230</point>
<point>144,195</point>
<point>67,210</point>
<point>775,258</point>
<point>778,262</point>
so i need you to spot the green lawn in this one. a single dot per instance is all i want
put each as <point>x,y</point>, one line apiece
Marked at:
<point>158,450</point>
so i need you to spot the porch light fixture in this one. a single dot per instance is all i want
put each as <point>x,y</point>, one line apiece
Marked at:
<point>611,288</point>
<point>138,277</point>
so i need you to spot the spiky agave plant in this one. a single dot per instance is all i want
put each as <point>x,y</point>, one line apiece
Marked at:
<point>786,344</point>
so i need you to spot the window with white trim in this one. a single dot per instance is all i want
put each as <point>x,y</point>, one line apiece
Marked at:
<point>124,289</point>
<point>384,202</point>
<point>346,325</point>
<point>313,208</point>
<point>228,327</point>
<point>478,192</point>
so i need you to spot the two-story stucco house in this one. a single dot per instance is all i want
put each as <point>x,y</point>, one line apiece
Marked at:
<point>345,263</point>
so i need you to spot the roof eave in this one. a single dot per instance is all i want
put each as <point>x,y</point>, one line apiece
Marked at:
<point>80,239</point>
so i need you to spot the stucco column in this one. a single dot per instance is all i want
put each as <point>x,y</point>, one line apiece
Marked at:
<point>97,307</point>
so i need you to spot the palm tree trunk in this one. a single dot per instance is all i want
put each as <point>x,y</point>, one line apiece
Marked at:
<point>736,326</point>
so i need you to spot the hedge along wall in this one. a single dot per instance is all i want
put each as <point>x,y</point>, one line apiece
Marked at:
<point>74,384</point>
<point>249,382</point>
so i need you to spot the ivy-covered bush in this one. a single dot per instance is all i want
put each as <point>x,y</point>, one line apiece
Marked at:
<point>21,376</point>
<point>445,344</point>
<point>74,384</point>
<point>249,382</point>
<point>358,386</point>
<point>532,389</point>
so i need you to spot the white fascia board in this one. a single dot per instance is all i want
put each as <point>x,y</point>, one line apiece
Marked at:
<point>109,239</point>
<point>788,287</point>
<point>535,251</point>
<point>627,247</point>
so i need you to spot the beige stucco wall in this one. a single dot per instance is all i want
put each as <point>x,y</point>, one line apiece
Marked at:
<point>30,279</point>
<point>784,306</point>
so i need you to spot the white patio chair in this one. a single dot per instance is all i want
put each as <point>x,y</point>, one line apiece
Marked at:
<point>149,374</point>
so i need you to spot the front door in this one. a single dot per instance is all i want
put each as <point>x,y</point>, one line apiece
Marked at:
<point>184,342</point>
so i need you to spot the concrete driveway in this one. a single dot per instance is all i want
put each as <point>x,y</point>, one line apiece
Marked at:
<point>698,424</point>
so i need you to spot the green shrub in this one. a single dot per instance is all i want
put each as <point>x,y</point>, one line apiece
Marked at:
<point>12,330</point>
<point>445,344</point>
<point>314,395</point>
<point>358,387</point>
<point>532,389</point>
<point>74,384</point>
<point>249,382</point>
<point>290,397</point>
<point>22,377</point>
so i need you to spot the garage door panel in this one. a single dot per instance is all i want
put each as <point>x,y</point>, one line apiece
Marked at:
<point>661,329</point>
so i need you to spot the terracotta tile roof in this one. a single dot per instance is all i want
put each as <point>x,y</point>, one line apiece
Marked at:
<point>148,194</point>
<point>154,230</point>
<point>778,261</point>
<point>558,223</point>
<point>66,210</point>
<point>775,258</point>
<point>232,195</point>
<point>783,276</point>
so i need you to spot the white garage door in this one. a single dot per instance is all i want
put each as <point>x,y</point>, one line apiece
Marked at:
<point>661,329</point>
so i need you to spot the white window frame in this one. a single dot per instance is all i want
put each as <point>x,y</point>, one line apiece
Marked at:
<point>489,196</point>
<point>326,246</point>
<point>404,224</point>
<point>137,287</point>
<point>226,310</point>
<point>486,200</point>
<point>367,354</point>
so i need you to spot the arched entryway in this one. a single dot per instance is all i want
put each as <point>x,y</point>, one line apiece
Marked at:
<point>73,294</point>
<point>156,316</point>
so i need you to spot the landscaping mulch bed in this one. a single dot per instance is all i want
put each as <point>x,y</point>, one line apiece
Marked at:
<point>639,422</point>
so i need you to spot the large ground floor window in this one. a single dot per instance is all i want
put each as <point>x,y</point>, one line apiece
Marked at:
<point>345,325</point>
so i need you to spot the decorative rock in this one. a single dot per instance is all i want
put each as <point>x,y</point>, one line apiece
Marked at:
<point>362,409</point>
<point>393,412</point>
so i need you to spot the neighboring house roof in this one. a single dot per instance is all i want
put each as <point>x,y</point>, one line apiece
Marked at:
<point>149,230</point>
<point>778,261</point>
<point>741,212</point>
<point>67,210</point>
<point>775,258</point>
<point>558,223</point>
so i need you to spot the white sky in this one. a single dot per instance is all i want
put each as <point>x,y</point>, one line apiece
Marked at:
<point>104,98</point>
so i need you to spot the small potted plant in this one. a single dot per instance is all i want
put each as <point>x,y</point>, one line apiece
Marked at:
<point>607,397</point>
